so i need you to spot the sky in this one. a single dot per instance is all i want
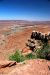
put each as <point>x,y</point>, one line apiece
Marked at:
<point>33,10</point>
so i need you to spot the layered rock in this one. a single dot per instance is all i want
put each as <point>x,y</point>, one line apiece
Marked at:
<point>33,44</point>
<point>4,64</point>
<point>40,36</point>
<point>36,40</point>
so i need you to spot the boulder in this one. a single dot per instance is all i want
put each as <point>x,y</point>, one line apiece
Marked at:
<point>46,38</point>
<point>30,45</point>
<point>31,40</point>
<point>49,36</point>
<point>42,37</point>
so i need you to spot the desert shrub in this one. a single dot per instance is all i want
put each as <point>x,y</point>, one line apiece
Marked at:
<point>30,56</point>
<point>17,56</point>
<point>43,52</point>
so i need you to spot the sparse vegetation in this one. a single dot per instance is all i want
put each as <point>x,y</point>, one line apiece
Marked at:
<point>42,53</point>
<point>17,56</point>
<point>30,56</point>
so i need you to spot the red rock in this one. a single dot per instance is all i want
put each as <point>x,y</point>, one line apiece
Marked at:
<point>4,64</point>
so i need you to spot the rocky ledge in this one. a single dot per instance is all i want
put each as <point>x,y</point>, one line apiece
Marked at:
<point>40,36</point>
<point>37,39</point>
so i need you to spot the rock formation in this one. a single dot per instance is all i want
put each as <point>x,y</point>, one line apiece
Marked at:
<point>4,64</point>
<point>40,36</point>
<point>36,40</point>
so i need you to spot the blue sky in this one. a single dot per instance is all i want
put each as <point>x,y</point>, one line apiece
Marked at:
<point>34,10</point>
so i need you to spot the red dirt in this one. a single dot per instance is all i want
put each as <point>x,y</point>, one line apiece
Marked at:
<point>31,67</point>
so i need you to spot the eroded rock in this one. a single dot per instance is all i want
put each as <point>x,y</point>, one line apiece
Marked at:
<point>4,64</point>
<point>35,36</point>
<point>40,36</point>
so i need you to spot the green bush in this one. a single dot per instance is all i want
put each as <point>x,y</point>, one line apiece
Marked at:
<point>43,52</point>
<point>30,56</point>
<point>17,56</point>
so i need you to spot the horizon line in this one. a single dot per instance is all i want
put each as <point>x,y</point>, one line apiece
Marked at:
<point>22,20</point>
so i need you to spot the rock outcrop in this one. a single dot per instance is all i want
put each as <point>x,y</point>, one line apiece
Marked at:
<point>36,40</point>
<point>40,36</point>
<point>4,64</point>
